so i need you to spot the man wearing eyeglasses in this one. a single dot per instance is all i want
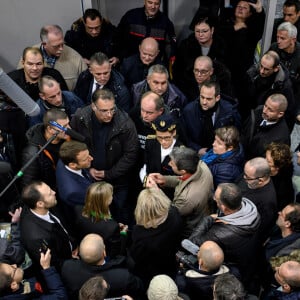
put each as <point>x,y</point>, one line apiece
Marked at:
<point>112,140</point>
<point>90,34</point>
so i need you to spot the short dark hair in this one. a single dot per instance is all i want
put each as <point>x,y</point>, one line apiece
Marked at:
<point>228,287</point>
<point>294,217</point>
<point>53,114</point>
<point>92,13</point>
<point>103,94</point>
<point>211,83</point>
<point>93,289</point>
<point>230,196</point>
<point>185,159</point>
<point>290,3</point>
<point>69,150</point>
<point>31,195</point>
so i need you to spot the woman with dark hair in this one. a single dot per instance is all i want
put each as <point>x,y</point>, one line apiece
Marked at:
<point>279,158</point>
<point>226,158</point>
<point>95,217</point>
<point>202,42</point>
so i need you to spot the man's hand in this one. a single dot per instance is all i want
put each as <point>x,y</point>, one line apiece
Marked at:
<point>157,178</point>
<point>75,253</point>
<point>150,183</point>
<point>113,61</point>
<point>45,259</point>
<point>202,151</point>
<point>97,174</point>
<point>15,217</point>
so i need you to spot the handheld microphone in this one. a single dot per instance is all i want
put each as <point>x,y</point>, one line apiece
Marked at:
<point>190,246</point>
<point>13,91</point>
<point>73,134</point>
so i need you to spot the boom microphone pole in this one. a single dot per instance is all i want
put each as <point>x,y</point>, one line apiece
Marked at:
<point>21,172</point>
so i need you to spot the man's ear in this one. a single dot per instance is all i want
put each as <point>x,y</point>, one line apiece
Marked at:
<point>42,96</point>
<point>218,98</point>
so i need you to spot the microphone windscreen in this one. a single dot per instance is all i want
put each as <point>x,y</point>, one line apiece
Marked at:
<point>190,246</point>
<point>13,91</point>
<point>5,167</point>
<point>75,135</point>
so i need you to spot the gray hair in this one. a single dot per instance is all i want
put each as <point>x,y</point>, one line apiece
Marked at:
<point>185,159</point>
<point>261,166</point>
<point>290,28</point>
<point>45,30</point>
<point>158,69</point>
<point>99,58</point>
<point>281,100</point>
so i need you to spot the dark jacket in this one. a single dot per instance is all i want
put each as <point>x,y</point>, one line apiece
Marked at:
<point>135,26</point>
<point>121,145</point>
<point>43,167</point>
<point>153,249</point>
<point>32,89</point>
<point>237,238</point>
<point>194,120</point>
<point>71,187</point>
<point>278,295</point>
<point>34,230</point>
<point>84,86</point>
<point>70,103</point>
<point>258,89</point>
<point>173,97</point>
<point>76,272</point>
<point>109,230</point>
<point>227,169</point>
<point>85,45</point>
<point>56,289</point>
<point>133,69</point>
<point>255,137</point>
<point>188,50</point>
<point>11,249</point>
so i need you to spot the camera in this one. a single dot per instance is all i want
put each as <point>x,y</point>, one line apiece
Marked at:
<point>44,246</point>
<point>187,260</point>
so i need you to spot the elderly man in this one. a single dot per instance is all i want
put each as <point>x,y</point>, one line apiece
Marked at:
<point>92,33</point>
<point>157,82</point>
<point>147,21</point>
<point>100,75</point>
<point>207,113</point>
<point>234,229</point>
<point>92,253</point>
<point>288,50</point>
<point>51,96</point>
<point>113,142</point>
<point>265,125</point>
<point>193,186</point>
<point>135,67</point>
<point>59,56</point>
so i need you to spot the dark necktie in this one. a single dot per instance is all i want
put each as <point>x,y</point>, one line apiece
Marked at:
<point>85,174</point>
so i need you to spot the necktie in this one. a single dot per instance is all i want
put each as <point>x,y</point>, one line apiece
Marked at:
<point>263,123</point>
<point>85,174</point>
<point>97,86</point>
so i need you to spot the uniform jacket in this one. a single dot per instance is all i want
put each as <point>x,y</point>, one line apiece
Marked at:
<point>116,84</point>
<point>192,195</point>
<point>121,146</point>
<point>193,120</point>
<point>135,26</point>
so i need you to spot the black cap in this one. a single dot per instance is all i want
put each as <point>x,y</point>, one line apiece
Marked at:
<point>164,123</point>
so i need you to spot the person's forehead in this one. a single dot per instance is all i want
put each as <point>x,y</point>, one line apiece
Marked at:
<point>63,122</point>
<point>55,37</point>
<point>33,56</point>
<point>207,90</point>
<point>95,21</point>
<point>159,76</point>
<point>202,64</point>
<point>267,61</point>
<point>95,67</point>
<point>148,102</point>
<point>105,103</point>
<point>289,9</point>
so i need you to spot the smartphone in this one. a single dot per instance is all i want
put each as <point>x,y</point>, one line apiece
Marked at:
<point>44,246</point>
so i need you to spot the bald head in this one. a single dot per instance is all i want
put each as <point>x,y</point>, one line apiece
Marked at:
<point>92,249</point>
<point>149,50</point>
<point>210,256</point>
<point>287,275</point>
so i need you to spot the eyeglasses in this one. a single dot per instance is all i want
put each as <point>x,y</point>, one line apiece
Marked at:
<point>201,72</point>
<point>57,46</point>
<point>106,111</point>
<point>164,138</point>
<point>202,31</point>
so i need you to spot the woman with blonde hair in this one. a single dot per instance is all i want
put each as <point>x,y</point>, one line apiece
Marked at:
<point>95,217</point>
<point>156,235</point>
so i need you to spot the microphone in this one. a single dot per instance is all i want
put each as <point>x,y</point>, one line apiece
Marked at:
<point>190,246</point>
<point>73,134</point>
<point>5,167</point>
<point>13,91</point>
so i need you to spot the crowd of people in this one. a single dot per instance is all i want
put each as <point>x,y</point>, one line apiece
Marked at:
<point>160,169</point>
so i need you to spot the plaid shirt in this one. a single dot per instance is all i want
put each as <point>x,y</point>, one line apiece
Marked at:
<point>50,60</point>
